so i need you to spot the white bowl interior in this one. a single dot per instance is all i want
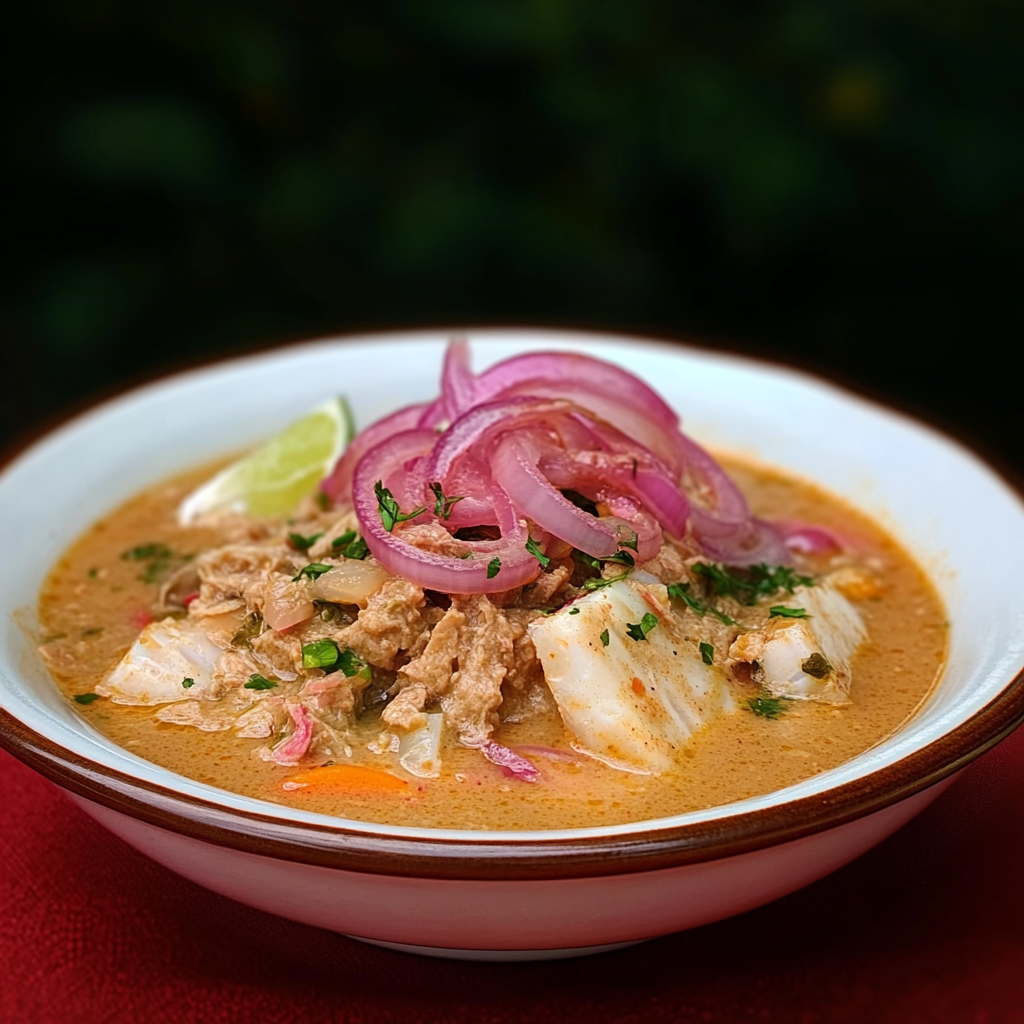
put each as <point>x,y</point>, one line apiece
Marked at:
<point>956,516</point>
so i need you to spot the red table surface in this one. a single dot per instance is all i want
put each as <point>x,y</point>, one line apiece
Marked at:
<point>927,927</point>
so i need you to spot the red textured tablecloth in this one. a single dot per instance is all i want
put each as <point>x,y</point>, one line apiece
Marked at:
<point>927,927</point>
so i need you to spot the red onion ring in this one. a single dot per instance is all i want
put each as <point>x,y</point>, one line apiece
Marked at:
<point>338,486</point>
<point>445,573</point>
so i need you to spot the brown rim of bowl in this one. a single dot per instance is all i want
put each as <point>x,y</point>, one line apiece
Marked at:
<point>647,849</point>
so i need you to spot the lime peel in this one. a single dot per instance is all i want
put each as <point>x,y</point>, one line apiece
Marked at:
<point>273,479</point>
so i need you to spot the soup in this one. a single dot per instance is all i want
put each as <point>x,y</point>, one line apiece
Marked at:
<point>284,661</point>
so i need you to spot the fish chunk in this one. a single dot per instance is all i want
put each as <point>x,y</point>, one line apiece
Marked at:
<point>419,751</point>
<point>806,659</point>
<point>629,703</point>
<point>165,654</point>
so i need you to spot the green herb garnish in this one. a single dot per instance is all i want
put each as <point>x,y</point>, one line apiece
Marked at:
<point>598,582</point>
<point>390,514</point>
<point>188,682</point>
<point>748,585</point>
<point>621,558</point>
<point>323,501</point>
<point>258,682</point>
<point>144,552</point>
<point>768,707</point>
<point>321,654</point>
<point>574,611</point>
<point>442,503</point>
<point>312,571</point>
<point>534,548</point>
<point>301,543</point>
<point>639,630</point>
<point>358,549</point>
<point>780,611</point>
<point>707,653</point>
<point>604,638</point>
<point>86,698</point>
<point>631,543</point>
<point>351,664</point>
<point>816,665</point>
<point>493,568</point>
<point>351,545</point>
<point>93,573</point>
<point>682,591</point>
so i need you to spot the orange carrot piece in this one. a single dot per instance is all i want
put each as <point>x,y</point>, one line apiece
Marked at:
<point>342,779</point>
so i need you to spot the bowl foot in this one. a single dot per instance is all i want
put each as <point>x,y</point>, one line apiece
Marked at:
<point>495,955</point>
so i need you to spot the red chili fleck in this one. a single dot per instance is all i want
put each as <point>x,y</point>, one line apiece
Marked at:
<point>140,619</point>
<point>189,598</point>
<point>638,687</point>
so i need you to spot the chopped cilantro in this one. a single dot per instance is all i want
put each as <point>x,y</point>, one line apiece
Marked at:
<point>782,612</point>
<point>534,548</point>
<point>351,545</point>
<point>768,707</point>
<point>390,514</point>
<point>258,682</point>
<point>344,540</point>
<point>188,682</point>
<point>816,665</point>
<point>604,638</point>
<point>493,568</point>
<point>750,584</point>
<point>682,591</point>
<point>584,559</point>
<point>301,543</point>
<point>631,543</point>
<point>311,571</point>
<point>707,653</point>
<point>323,501</point>
<point>621,558</point>
<point>598,582</point>
<point>351,664</point>
<point>443,504</point>
<point>574,611</point>
<point>86,698</point>
<point>639,630</point>
<point>144,552</point>
<point>581,501</point>
<point>321,654</point>
<point>358,549</point>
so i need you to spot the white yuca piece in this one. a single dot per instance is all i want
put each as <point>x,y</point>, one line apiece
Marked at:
<point>157,664</point>
<point>419,751</point>
<point>806,659</point>
<point>630,703</point>
<point>272,480</point>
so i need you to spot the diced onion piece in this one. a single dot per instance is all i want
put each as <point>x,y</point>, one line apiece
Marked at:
<point>352,582</point>
<point>286,604</point>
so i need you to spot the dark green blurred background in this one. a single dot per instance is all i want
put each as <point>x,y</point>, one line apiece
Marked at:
<point>835,183</point>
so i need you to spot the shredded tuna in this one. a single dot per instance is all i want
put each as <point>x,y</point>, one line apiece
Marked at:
<point>278,655</point>
<point>390,623</point>
<point>406,710</point>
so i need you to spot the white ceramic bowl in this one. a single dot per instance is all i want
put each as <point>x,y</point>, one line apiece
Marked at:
<point>524,894</point>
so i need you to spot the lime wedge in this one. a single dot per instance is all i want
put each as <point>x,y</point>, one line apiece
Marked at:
<point>272,480</point>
